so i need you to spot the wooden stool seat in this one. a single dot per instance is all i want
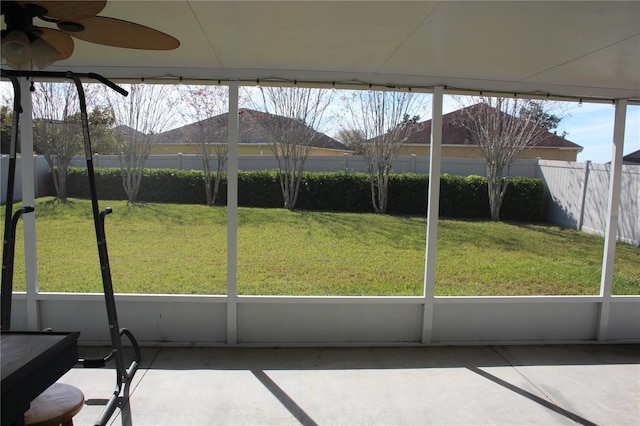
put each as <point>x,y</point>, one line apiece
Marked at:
<point>55,406</point>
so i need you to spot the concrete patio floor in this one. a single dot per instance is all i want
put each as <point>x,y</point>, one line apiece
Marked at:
<point>508,385</point>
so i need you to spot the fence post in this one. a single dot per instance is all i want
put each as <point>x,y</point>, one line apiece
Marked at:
<point>346,161</point>
<point>179,161</point>
<point>36,172</point>
<point>583,196</point>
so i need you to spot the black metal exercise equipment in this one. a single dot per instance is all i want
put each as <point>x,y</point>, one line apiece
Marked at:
<point>124,375</point>
<point>11,220</point>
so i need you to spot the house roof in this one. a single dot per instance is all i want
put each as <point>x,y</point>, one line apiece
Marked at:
<point>455,134</point>
<point>124,129</point>
<point>250,133</point>
<point>633,158</point>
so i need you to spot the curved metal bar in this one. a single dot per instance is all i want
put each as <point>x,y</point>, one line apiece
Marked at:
<point>133,367</point>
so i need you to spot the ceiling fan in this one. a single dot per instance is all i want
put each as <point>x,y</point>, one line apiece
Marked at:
<point>24,43</point>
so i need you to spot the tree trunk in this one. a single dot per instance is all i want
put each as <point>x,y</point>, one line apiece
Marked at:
<point>62,184</point>
<point>383,190</point>
<point>494,174</point>
<point>495,202</point>
<point>208,189</point>
<point>207,181</point>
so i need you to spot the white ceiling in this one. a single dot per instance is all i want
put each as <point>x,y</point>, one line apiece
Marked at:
<point>580,49</point>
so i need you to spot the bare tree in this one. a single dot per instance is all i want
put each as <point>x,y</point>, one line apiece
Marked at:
<point>384,120</point>
<point>293,119</point>
<point>503,128</point>
<point>146,111</point>
<point>205,105</point>
<point>56,129</point>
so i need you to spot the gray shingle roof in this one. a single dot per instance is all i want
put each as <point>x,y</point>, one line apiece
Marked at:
<point>249,131</point>
<point>633,158</point>
<point>454,134</point>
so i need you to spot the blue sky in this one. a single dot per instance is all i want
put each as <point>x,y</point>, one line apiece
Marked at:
<point>591,126</point>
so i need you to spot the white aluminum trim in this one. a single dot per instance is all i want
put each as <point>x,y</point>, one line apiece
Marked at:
<point>410,300</point>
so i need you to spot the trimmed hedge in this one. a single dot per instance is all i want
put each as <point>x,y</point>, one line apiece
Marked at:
<point>157,185</point>
<point>337,191</point>
<point>464,197</point>
<point>524,200</point>
<point>460,196</point>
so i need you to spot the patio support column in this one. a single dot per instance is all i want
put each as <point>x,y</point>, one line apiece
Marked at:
<point>615,176</point>
<point>433,201</point>
<point>27,169</point>
<point>232,216</point>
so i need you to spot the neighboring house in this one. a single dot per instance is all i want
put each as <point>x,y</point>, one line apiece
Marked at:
<point>632,159</point>
<point>185,139</point>
<point>129,132</point>
<point>456,142</point>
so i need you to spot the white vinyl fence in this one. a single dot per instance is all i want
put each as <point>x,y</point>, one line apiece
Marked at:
<point>577,192</point>
<point>578,197</point>
<point>330,163</point>
<point>42,180</point>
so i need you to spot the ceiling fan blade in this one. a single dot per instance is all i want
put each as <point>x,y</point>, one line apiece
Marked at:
<point>67,10</point>
<point>59,40</point>
<point>119,33</point>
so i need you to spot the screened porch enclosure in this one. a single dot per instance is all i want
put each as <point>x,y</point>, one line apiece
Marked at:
<point>237,319</point>
<point>405,46</point>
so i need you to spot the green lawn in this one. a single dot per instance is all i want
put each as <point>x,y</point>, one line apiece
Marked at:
<point>158,248</point>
